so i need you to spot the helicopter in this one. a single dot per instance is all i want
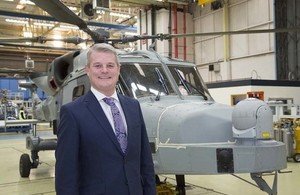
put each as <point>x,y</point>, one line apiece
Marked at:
<point>189,133</point>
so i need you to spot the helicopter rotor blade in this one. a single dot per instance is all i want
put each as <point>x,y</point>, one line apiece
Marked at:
<point>39,39</point>
<point>276,30</point>
<point>74,40</point>
<point>161,36</point>
<point>127,39</point>
<point>24,39</point>
<point>61,12</point>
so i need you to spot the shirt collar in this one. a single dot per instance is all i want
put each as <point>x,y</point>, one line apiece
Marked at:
<point>100,95</point>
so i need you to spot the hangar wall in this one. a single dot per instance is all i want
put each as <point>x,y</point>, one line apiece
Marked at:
<point>239,55</point>
<point>159,23</point>
<point>224,95</point>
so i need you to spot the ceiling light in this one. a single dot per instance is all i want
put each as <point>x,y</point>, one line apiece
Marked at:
<point>27,34</point>
<point>130,33</point>
<point>100,11</point>
<point>27,2</point>
<point>16,21</point>
<point>69,27</point>
<point>19,6</point>
<point>119,15</point>
<point>43,24</point>
<point>57,37</point>
<point>119,20</point>
<point>57,43</point>
<point>72,8</point>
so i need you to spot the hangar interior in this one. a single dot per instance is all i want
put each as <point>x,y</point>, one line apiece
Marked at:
<point>234,66</point>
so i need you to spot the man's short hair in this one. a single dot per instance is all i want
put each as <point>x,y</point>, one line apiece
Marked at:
<point>103,48</point>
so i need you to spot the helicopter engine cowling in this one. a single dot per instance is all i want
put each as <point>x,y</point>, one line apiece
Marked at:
<point>41,81</point>
<point>59,69</point>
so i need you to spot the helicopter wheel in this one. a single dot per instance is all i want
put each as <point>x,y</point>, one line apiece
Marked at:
<point>25,165</point>
<point>296,157</point>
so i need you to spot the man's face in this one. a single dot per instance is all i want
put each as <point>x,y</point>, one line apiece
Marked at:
<point>103,72</point>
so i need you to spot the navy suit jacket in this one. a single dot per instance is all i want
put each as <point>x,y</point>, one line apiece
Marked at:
<point>89,159</point>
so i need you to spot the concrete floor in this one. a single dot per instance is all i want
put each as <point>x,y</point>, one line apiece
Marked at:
<point>41,180</point>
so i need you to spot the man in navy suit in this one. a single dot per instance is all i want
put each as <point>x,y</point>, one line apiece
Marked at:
<point>89,157</point>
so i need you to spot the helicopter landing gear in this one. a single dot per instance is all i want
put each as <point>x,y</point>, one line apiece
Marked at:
<point>25,164</point>
<point>263,185</point>
<point>164,188</point>
<point>35,144</point>
<point>180,180</point>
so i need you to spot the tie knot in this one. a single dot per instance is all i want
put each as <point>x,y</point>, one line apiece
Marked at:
<point>109,101</point>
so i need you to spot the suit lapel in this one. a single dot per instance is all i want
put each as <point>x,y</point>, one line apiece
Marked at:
<point>95,108</point>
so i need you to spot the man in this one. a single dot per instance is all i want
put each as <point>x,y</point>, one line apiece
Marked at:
<point>93,156</point>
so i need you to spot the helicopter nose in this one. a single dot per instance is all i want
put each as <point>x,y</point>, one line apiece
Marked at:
<point>195,123</point>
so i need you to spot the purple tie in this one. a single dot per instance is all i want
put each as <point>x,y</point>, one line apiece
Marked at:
<point>118,122</point>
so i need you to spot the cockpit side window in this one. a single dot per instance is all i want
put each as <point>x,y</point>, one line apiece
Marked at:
<point>77,92</point>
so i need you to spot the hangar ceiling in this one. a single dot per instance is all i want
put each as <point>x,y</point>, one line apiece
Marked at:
<point>21,19</point>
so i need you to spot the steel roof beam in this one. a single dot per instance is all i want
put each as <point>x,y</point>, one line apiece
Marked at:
<point>49,18</point>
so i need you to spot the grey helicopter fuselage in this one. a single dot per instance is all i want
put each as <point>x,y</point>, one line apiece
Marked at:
<point>188,131</point>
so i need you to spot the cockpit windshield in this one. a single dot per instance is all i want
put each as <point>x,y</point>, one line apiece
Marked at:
<point>189,81</point>
<point>142,79</point>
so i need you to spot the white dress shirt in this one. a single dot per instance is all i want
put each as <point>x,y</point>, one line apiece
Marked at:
<point>106,108</point>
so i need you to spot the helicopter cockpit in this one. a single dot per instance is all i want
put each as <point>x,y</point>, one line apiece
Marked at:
<point>174,77</point>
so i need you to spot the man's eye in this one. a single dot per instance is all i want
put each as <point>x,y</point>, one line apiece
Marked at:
<point>97,66</point>
<point>110,66</point>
